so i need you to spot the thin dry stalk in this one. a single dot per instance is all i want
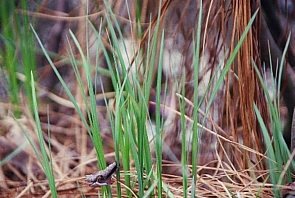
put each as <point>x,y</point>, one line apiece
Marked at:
<point>246,89</point>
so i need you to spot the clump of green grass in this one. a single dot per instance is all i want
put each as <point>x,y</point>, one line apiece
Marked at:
<point>18,50</point>
<point>276,149</point>
<point>141,170</point>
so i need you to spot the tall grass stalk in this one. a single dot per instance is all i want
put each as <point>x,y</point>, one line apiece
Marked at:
<point>45,160</point>
<point>64,85</point>
<point>195,136</point>
<point>159,121</point>
<point>184,145</point>
<point>135,97</point>
<point>277,150</point>
<point>27,49</point>
<point>18,54</point>
<point>125,139</point>
<point>9,59</point>
<point>90,108</point>
<point>93,129</point>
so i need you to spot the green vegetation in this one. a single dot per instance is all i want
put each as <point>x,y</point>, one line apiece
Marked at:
<point>137,137</point>
<point>18,50</point>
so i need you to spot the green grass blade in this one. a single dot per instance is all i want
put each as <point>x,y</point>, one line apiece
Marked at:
<point>46,162</point>
<point>195,135</point>
<point>13,154</point>
<point>63,83</point>
<point>272,164</point>
<point>91,111</point>
<point>159,139</point>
